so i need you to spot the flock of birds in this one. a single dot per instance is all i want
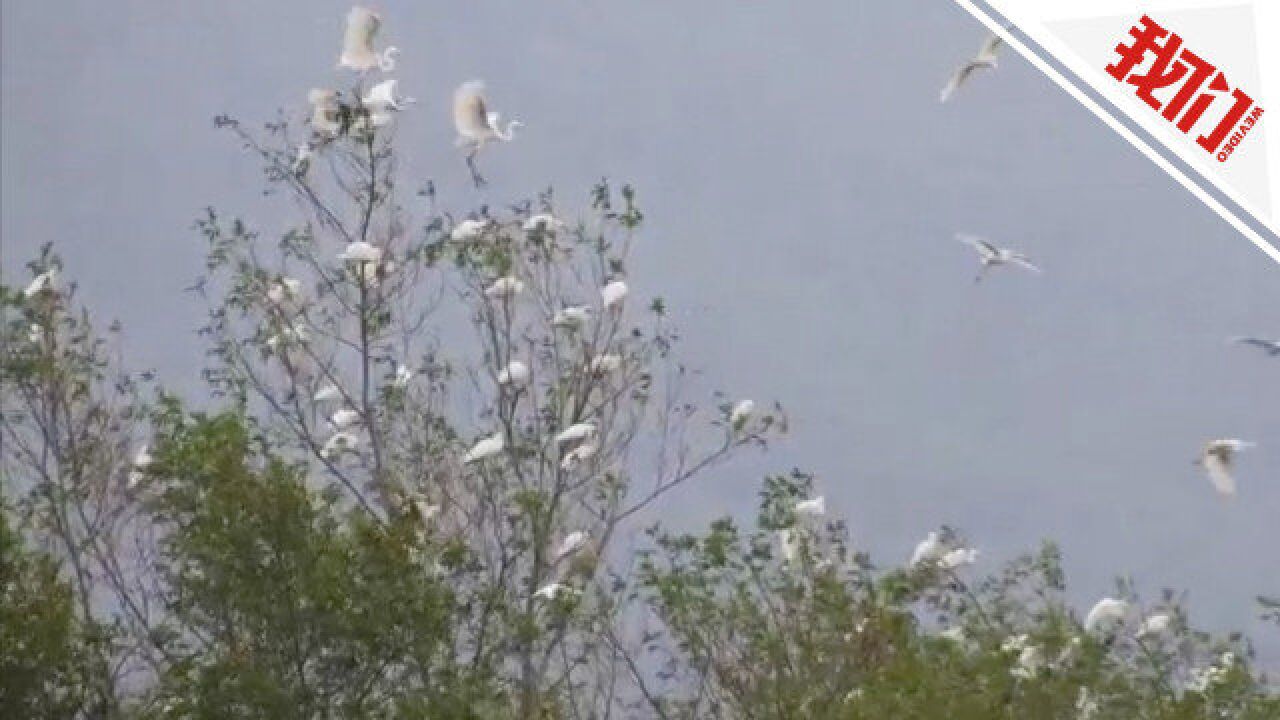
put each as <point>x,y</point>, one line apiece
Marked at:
<point>1217,458</point>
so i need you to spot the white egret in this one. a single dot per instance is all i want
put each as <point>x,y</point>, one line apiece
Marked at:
<point>344,418</point>
<point>1105,613</point>
<point>585,451</point>
<point>326,112</point>
<point>814,507</point>
<point>576,432</point>
<point>515,373</point>
<point>1270,347</point>
<point>927,550</point>
<point>505,287</point>
<point>476,125</point>
<point>993,256</point>
<point>382,100</point>
<point>740,414</point>
<point>287,288</point>
<point>545,222</point>
<point>328,392</point>
<point>357,43</point>
<point>1155,624</point>
<point>551,591</point>
<point>1217,459</point>
<point>486,448</point>
<point>605,363</point>
<point>572,317</point>
<point>361,251</point>
<point>985,60</point>
<point>41,283</point>
<point>613,294</point>
<point>572,543</point>
<point>403,376</point>
<point>339,443</point>
<point>141,461</point>
<point>957,558</point>
<point>468,230</point>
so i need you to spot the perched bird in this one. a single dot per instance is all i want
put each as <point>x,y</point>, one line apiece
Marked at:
<point>1155,624</point>
<point>545,222</point>
<point>468,230</point>
<point>326,393</point>
<point>339,443</point>
<point>576,432</point>
<point>362,252</point>
<point>605,363</point>
<point>329,117</point>
<point>357,43</point>
<point>551,591</point>
<point>572,543</point>
<point>343,418</point>
<point>571,318</point>
<point>959,557</point>
<point>993,256</point>
<point>585,451</point>
<point>1270,347</point>
<point>613,294</point>
<point>740,414</point>
<point>984,60</point>
<point>505,287</point>
<point>1217,458</point>
<point>789,544</point>
<point>928,550</point>
<point>41,283</point>
<point>813,508</point>
<point>485,448</point>
<point>476,125</point>
<point>515,373</point>
<point>382,100</point>
<point>1107,612</point>
<point>285,289</point>
<point>141,461</point>
<point>403,376</point>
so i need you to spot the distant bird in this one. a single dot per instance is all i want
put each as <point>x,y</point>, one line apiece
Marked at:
<point>993,256</point>
<point>339,443</point>
<point>551,591</point>
<point>329,117</point>
<point>545,222</point>
<point>515,373</point>
<point>585,451</point>
<point>928,550</point>
<point>984,60</point>
<point>572,543</point>
<point>403,376</point>
<point>1217,459</point>
<point>957,558</point>
<point>1156,624</point>
<point>813,508</point>
<point>1270,347</point>
<point>302,160</point>
<point>605,363</point>
<point>505,287</point>
<point>283,290</point>
<point>1106,612</point>
<point>326,393</point>
<point>486,448</point>
<point>344,418</point>
<point>613,294</point>
<point>477,126</point>
<point>41,283</point>
<point>572,317</point>
<point>141,461</point>
<point>576,432</point>
<point>357,43</point>
<point>740,414</point>
<point>382,100</point>
<point>468,230</point>
<point>362,252</point>
<point>789,544</point>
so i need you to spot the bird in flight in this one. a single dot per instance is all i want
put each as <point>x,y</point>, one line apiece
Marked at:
<point>984,60</point>
<point>1217,459</point>
<point>476,125</point>
<point>1270,347</point>
<point>993,256</point>
<point>357,43</point>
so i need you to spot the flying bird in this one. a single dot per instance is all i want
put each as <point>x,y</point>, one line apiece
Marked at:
<point>1217,459</point>
<point>357,43</point>
<point>984,60</point>
<point>382,100</point>
<point>993,256</point>
<point>1105,613</point>
<point>487,447</point>
<point>1270,347</point>
<point>476,125</point>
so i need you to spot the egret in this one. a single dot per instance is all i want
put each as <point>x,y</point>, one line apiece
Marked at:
<point>468,230</point>
<point>141,461</point>
<point>813,508</point>
<point>326,112</point>
<point>515,373</point>
<point>572,317</point>
<point>605,363</point>
<point>505,287</point>
<point>613,294</point>
<point>551,591</point>
<point>326,393</point>
<point>572,543</point>
<point>585,451</point>
<point>1155,624</point>
<point>544,222</point>
<point>928,550</point>
<point>993,256</point>
<point>283,290</point>
<point>576,432</point>
<point>740,414</point>
<point>41,283</point>
<point>957,558</point>
<point>361,251</point>
<point>984,60</point>
<point>1105,613</point>
<point>382,100</point>
<point>1270,347</point>
<point>357,43</point>
<point>344,418</point>
<point>486,448</point>
<point>339,443</point>
<point>403,376</point>
<point>1217,459</point>
<point>477,126</point>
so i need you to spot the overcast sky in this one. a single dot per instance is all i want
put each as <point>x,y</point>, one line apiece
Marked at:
<point>802,187</point>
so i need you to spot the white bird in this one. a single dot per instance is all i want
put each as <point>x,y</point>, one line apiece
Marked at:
<point>302,160</point>
<point>326,112</point>
<point>1271,347</point>
<point>361,251</point>
<point>606,363</point>
<point>283,290</point>
<point>1217,459</point>
<point>993,256</point>
<point>344,418</point>
<point>789,543</point>
<point>487,447</point>
<point>551,591</point>
<point>339,443</point>
<point>927,550</point>
<point>426,511</point>
<point>985,60</point>
<point>326,393</point>
<point>575,432</point>
<point>476,125</point>
<point>41,283</point>
<point>505,287</point>
<point>141,461</point>
<point>740,414</point>
<point>546,222</point>
<point>572,543</point>
<point>585,451</point>
<point>35,334</point>
<point>1155,624</point>
<point>613,294</point>
<point>468,230</point>
<point>959,557</point>
<point>572,317</point>
<point>813,508</point>
<point>357,43</point>
<point>515,373</point>
<point>1106,612</point>
<point>382,100</point>
<point>403,376</point>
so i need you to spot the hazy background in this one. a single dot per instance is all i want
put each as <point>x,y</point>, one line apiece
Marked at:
<point>802,187</point>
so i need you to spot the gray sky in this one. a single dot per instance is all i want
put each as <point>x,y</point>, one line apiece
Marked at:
<point>802,186</point>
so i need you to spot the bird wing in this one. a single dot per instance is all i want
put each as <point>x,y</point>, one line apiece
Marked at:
<point>1024,261</point>
<point>990,47</point>
<point>1219,468</point>
<point>983,247</point>
<point>470,116</point>
<point>1256,342</point>
<point>958,78</point>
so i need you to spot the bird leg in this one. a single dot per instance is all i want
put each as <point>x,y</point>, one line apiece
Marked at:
<point>475,174</point>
